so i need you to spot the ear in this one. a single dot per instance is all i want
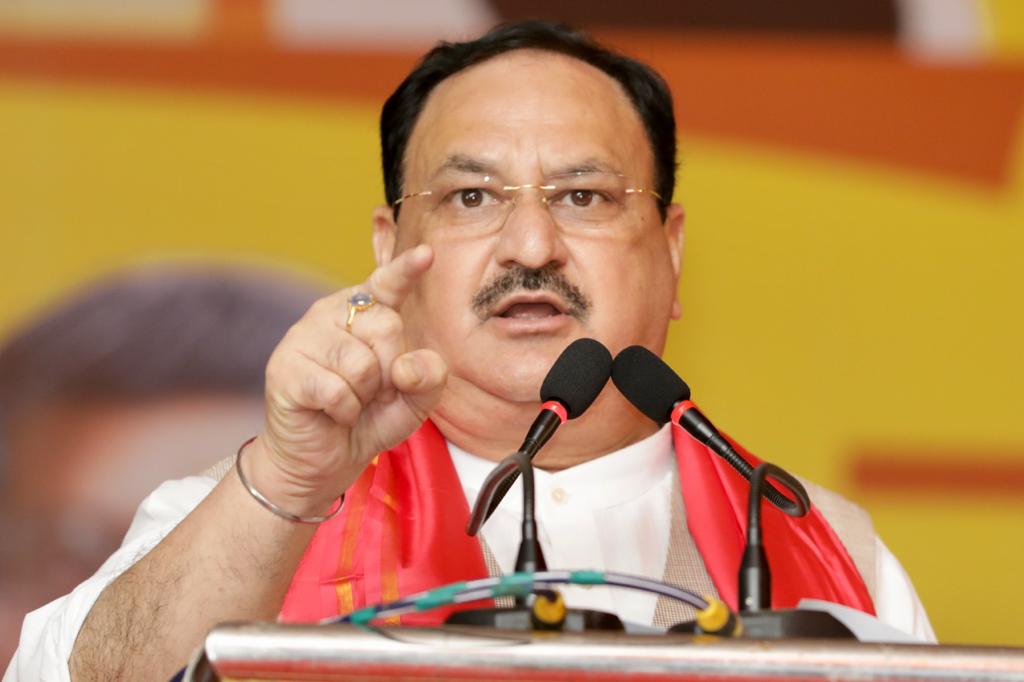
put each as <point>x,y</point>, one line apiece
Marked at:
<point>675,236</point>
<point>385,233</point>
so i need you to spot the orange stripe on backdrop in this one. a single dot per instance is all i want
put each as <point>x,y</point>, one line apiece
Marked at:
<point>849,98</point>
<point>964,475</point>
<point>221,65</point>
<point>240,21</point>
<point>853,99</point>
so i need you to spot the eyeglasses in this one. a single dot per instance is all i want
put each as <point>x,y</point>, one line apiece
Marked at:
<point>582,200</point>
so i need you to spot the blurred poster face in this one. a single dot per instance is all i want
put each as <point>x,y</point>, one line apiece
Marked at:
<point>81,471</point>
<point>140,378</point>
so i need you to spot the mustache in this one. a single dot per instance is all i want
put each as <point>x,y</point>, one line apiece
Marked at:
<point>548,278</point>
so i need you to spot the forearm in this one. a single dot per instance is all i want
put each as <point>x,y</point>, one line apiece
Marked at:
<point>230,559</point>
<point>339,390</point>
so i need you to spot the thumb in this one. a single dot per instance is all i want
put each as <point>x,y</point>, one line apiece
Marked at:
<point>420,376</point>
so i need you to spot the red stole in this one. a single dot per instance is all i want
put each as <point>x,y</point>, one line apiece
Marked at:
<point>402,531</point>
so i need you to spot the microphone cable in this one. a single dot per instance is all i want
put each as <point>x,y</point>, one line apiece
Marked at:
<point>713,616</point>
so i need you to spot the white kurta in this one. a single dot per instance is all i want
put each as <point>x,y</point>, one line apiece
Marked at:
<point>609,514</point>
<point>613,514</point>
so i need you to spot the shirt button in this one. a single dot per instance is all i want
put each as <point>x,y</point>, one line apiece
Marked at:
<point>559,495</point>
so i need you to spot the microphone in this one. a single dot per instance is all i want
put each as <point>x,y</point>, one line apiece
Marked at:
<point>656,390</point>
<point>570,387</point>
<point>756,617</point>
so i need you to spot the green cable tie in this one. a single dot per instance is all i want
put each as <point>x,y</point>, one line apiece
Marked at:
<point>587,577</point>
<point>515,585</point>
<point>439,597</point>
<point>517,579</point>
<point>364,615</point>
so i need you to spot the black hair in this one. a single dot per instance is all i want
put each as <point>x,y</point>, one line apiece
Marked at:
<point>646,90</point>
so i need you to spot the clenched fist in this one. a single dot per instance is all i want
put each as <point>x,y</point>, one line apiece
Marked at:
<point>336,396</point>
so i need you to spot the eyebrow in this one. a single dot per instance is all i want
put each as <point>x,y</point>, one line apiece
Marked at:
<point>591,165</point>
<point>466,164</point>
<point>463,163</point>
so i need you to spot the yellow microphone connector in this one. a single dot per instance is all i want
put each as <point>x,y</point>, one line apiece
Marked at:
<point>717,619</point>
<point>548,610</point>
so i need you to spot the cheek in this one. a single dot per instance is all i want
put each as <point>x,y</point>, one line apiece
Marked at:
<point>625,268</point>
<point>440,306</point>
<point>632,287</point>
<point>458,270</point>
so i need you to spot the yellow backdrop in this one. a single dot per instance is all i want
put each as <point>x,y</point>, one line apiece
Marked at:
<point>838,312</point>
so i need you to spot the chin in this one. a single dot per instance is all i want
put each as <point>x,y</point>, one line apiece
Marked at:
<point>509,367</point>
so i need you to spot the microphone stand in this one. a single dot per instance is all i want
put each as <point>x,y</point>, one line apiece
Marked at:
<point>759,620</point>
<point>530,558</point>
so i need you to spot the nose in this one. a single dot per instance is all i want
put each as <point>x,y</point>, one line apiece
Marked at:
<point>530,237</point>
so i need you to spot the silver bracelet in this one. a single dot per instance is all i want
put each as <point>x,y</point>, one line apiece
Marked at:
<point>277,511</point>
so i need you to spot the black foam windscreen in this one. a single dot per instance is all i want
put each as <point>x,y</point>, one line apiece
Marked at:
<point>651,385</point>
<point>578,375</point>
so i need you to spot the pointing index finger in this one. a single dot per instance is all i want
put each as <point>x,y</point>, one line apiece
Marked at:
<point>392,282</point>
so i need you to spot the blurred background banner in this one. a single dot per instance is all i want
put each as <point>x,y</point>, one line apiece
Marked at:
<point>852,170</point>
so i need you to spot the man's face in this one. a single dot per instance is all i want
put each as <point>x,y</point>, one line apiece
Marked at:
<point>524,118</point>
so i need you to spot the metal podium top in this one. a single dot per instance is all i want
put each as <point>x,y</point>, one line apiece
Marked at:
<point>259,651</point>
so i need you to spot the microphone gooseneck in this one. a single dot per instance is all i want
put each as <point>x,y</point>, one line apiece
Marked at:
<point>530,557</point>
<point>755,582</point>
<point>657,391</point>
<point>572,384</point>
<point>552,415</point>
<point>485,499</point>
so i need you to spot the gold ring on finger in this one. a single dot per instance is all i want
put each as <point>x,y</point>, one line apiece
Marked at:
<point>356,304</point>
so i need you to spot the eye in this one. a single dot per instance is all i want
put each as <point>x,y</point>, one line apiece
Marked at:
<point>581,197</point>
<point>471,198</point>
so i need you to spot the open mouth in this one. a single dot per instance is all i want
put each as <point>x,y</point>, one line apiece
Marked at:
<point>530,300</point>
<point>529,309</point>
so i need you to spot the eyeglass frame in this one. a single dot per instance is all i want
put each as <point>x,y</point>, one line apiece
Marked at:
<point>539,186</point>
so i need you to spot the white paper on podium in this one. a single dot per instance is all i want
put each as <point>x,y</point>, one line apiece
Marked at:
<point>864,627</point>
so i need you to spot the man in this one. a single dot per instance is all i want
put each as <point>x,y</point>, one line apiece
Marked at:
<point>144,375</point>
<point>529,177</point>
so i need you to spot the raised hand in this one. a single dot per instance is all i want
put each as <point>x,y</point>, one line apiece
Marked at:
<point>337,395</point>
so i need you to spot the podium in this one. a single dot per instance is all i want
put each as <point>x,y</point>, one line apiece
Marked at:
<point>263,651</point>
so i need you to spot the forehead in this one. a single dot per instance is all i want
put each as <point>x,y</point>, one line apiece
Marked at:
<point>528,112</point>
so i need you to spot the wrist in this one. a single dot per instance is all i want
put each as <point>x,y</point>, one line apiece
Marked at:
<point>279,492</point>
